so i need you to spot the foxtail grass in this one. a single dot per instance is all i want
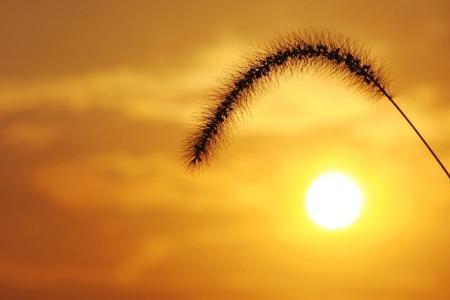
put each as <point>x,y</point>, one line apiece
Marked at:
<point>297,52</point>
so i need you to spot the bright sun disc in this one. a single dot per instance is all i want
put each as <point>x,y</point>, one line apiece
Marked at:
<point>334,201</point>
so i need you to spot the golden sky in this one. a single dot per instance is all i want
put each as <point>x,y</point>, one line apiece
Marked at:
<point>97,96</point>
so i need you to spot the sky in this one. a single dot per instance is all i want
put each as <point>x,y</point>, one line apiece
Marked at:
<point>96,98</point>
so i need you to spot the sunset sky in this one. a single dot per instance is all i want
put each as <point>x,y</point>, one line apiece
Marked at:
<point>96,98</point>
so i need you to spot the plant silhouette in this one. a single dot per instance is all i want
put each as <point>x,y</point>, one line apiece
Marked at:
<point>297,52</point>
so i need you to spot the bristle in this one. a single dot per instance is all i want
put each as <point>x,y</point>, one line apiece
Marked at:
<point>307,51</point>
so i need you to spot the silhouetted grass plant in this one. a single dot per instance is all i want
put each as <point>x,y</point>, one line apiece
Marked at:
<point>297,52</point>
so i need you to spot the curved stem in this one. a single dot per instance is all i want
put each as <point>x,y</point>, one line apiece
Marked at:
<point>416,130</point>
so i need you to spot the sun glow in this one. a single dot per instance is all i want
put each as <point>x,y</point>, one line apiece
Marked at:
<point>334,201</point>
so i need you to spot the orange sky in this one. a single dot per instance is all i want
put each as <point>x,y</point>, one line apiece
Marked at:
<point>96,97</point>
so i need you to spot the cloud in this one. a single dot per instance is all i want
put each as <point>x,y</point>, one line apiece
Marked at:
<point>95,102</point>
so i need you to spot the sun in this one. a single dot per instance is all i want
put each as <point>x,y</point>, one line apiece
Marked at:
<point>334,201</point>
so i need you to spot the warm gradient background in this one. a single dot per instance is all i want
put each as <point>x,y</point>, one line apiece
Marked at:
<point>96,97</point>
